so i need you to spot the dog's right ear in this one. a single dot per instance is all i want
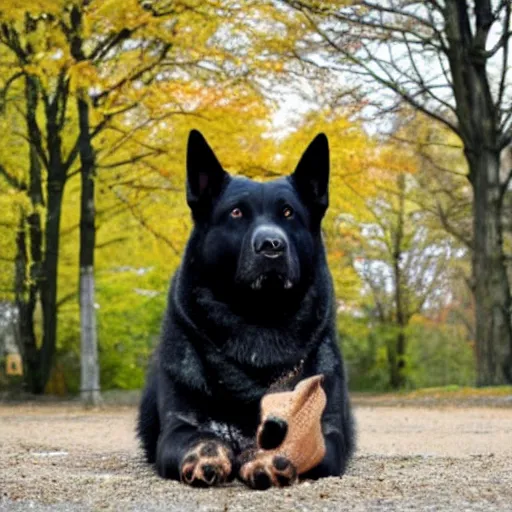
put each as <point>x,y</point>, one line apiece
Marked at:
<point>205,176</point>
<point>311,176</point>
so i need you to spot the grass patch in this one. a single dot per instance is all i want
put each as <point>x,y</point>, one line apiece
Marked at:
<point>459,391</point>
<point>445,395</point>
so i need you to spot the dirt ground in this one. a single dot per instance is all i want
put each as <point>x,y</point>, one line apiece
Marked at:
<point>60,457</point>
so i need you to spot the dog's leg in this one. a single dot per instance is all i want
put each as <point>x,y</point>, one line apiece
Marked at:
<point>207,463</point>
<point>260,470</point>
<point>199,459</point>
<point>185,450</point>
<point>148,422</point>
<point>333,464</point>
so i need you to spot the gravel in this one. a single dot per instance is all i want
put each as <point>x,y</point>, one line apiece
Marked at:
<point>61,457</point>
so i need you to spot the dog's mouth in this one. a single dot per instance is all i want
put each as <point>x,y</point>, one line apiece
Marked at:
<point>272,281</point>
<point>271,254</point>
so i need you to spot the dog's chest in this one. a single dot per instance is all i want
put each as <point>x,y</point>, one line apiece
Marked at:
<point>229,433</point>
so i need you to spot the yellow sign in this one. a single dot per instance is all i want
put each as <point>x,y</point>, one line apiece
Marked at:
<point>13,365</point>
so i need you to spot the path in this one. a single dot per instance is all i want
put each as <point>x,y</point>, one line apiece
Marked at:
<point>58,457</point>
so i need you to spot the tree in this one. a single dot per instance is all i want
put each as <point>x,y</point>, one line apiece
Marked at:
<point>450,60</point>
<point>45,150</point>
<point>104,83</point>
<point>404,265</point>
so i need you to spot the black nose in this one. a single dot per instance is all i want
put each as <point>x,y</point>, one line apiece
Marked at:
<point>269,242</point>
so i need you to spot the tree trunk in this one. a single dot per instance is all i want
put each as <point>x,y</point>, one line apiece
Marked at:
<point>400,363</point>
<point>491,285</point>
<point>398,370</point>
<point>25,304</point>
<point>28,289</point>
<point>49,282</point>
<point>90,382</point>
<point>90,375</point>
<point>394,378</point>
<point>479,128</point>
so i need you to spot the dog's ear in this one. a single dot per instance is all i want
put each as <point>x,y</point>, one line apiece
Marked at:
<point>311,176</point>
<point>205,176</point>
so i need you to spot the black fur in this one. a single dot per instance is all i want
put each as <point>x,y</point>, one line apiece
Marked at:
<point>273,433</point>
<point>251,302</point>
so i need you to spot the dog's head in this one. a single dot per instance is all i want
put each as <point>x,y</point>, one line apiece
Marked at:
<point>257,238</point>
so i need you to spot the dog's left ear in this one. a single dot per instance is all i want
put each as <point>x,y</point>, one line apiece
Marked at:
<point>311,176</point>
<point>205,175</point>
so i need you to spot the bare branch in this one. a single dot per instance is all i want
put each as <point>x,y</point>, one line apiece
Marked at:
<point>5,89</point>
<point>506,161</point>
<point>10,38</point>
<point>504,61</point>
<point>110,42</point>
<point>506,137</point>
<point>132,77</point>
<point>111,242</point>
<point>388,82</point>
<point>140,219</point>
<point>12,180</point>
<point>506,183</point>
<point>451,229</point>
<point>130,160</point>
<point>66,298</point>
<point>484,21</point>
<point>73,154</point>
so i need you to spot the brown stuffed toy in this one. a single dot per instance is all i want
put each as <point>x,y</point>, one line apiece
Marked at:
<point>291,424</point>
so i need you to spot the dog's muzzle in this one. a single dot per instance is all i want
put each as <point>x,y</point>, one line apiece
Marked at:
<point>269,242</point>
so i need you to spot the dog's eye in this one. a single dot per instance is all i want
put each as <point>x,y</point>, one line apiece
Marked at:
<point>287,211</point>
<point>236,213</point>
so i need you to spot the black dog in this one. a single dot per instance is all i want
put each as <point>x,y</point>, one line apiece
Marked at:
<point>251,305</point>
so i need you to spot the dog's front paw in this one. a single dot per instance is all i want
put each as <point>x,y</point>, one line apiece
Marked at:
<point>261,470</point>
<point>208,463</point>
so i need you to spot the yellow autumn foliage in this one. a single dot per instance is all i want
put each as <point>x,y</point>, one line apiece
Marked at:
<point>198,64</point>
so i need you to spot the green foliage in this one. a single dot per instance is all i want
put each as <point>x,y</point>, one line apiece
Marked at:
<point>364,351</point>
<point>437,354</point>
<point>440,355</point>
<point>131,311</point>
<point>130,303</point>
